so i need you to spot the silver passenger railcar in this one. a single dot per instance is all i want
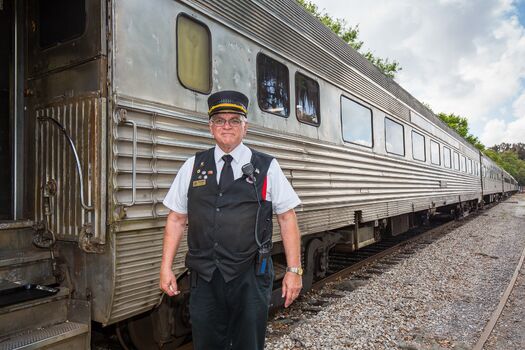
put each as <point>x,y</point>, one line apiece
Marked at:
<point>108,99</point>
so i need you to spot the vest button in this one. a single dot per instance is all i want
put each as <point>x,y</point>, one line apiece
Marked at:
<point>216,244</point>
<point>217,261</point>
<point>217,209</point>
<point>220,194</point>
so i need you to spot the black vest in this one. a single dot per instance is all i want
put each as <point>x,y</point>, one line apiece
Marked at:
<point>221,224</point>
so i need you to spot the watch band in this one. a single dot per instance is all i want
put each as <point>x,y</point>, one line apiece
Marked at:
<point>295,269</point>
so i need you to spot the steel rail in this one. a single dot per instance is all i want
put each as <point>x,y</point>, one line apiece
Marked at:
<point>356,266</point>
<point>489,327</point>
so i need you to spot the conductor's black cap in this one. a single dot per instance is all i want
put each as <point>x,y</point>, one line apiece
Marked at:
<point>227,101</point>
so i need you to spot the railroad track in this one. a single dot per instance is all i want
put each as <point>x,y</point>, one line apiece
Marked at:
<point>489,327</point>
<point>343,264</point>
<point>365,260</point>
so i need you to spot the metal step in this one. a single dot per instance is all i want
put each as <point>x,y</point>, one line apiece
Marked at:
<point>16,234</point>
<point>20,261</point>
<point>16,293</point>
<point>65,335</point>
<point>15,257</point>
<point>34,313</point>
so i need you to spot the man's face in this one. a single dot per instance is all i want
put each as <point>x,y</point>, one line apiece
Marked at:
<point>230,134</point>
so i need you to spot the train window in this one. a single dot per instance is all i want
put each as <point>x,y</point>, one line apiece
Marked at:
<point>469,166</point>
<point>456,161</point>
<point>307,100</point>
<point>273,86</point>
<point>435,156</point>
<point>463,164</point>
<point>60,21</point>
<point>395,138</point>
<point>357,122</point>
<point>193,54</point>
<point>446,157</point>
<point>418,146</point>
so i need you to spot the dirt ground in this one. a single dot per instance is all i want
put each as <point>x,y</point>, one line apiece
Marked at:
<point>509,332</point>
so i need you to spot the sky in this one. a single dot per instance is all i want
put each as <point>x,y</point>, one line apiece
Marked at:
<point>465,57</point>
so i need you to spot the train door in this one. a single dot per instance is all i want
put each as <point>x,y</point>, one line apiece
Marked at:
<point>14,198</point>
<point>66,88</point>
<point>5,110</point>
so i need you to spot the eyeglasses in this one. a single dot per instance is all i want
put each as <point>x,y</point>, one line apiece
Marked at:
<point>233,122</point>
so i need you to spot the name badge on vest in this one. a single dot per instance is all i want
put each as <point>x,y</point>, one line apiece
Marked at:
<point>198,183</point>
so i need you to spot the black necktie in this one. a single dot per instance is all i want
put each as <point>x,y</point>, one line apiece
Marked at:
<point>227,172</point>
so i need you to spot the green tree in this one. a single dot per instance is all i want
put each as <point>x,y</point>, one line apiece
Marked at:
<point>508,157</point>
<point>350,35</point>
<point>460,124</point>
<point>518,148</point>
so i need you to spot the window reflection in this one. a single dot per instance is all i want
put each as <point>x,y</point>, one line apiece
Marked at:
<point>395,141</point>
<point>446,157</point>
<point>357,122</point>
<point>307,100</point>
<point>418,146</point>
<point>435,157</point>
<point>273,90</point>
<point>456,161</point>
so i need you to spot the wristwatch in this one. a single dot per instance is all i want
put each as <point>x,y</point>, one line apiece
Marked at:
<point>297,270</point>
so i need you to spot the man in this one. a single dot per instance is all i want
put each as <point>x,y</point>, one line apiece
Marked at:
<point>227,194</point>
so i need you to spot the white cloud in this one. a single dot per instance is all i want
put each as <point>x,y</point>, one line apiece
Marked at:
<point>460,56</point>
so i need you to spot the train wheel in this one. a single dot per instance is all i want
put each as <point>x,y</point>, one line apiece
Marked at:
<point>313,262</point>
<point>166,327</point>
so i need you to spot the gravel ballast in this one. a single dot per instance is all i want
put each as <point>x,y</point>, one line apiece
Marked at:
<point>439,296</point>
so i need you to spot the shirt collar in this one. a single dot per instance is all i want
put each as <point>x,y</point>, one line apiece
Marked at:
<point>236,153</point>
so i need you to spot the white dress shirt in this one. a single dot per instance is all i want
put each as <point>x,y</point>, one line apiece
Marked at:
<point>278,189</point>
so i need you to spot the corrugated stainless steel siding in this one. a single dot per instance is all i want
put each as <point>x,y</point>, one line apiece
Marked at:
<point>83,119</point>
<point>139,255</point>
<point>288,29</point>
<point>332,182</point>
<point>281,37</point>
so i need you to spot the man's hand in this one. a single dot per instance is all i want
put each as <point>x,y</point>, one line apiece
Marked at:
<point>172,236</point>
<point>292,284</point>
<point>168,283</point>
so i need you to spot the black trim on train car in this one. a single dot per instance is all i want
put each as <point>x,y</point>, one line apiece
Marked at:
<point>318,114</point>
<point>259,54</point>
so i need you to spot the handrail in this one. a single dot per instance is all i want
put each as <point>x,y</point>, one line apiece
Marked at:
<point>77,159</point>
<point>123,120</point>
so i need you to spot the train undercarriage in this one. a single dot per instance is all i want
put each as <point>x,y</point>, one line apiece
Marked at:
<point>169,325</point>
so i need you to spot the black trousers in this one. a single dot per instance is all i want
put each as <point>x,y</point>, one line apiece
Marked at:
<point>231,315</point>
